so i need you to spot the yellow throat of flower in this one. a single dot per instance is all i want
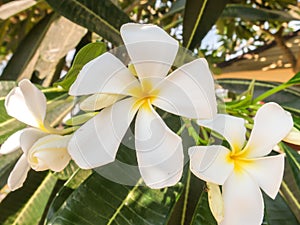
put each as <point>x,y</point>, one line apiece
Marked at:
<point>239,159</point>
<point>145,94</point>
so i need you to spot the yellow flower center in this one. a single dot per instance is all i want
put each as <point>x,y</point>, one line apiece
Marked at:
<point>145,94</point>
<point>237,157</point>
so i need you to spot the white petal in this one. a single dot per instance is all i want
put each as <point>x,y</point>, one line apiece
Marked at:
<point>210,163</point>
<point>188,91</point>
<point>104,74</point>
<point>243,201</point>
<point>49,152</point>
<point>215,201</point>
<point>267,172</point>
<point>271,124</point>
<point>19,173</point>
<point>151,49</point>
<point>28,137</point>
<point>293,137</point>
<point>159,150</point>
<point>97,141</point>
<point>230,127</point>
<point>99,101</point>
<point>27,104</point>
<point>12,143</point>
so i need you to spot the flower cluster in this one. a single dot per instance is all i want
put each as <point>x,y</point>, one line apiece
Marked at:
<point>122,93</point>
<point>43,147</point>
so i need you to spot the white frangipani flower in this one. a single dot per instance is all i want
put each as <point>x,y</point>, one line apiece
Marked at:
<point>42,147</point>
<point>243,170</point>
<point>187,91</point>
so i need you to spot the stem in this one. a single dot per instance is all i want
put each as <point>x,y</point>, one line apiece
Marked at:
<point>186,196</point>
<point>204,133</point>
<point>181,129</point>
<point>270,92</point>
<point>193,133</point>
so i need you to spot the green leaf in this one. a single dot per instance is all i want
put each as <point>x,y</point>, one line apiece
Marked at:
<point>80,119</point>
<point>86,54</point>
<point>277,212</point>
<point>249,13</point>
<point>294,80</point>
<point>26,205</point>
<point>106,202</point>
<point>289,98</point>
<point>26,50</point>
<point>293,159</point>
<point>202,214</point>
<point>7,163</point>
<point>198,20</point>
<point>99,16</point>
<point>67,172</point>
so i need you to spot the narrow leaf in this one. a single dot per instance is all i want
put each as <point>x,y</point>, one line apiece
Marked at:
<point>7,163</point>
<point>26,50</point>
<point>249,13</point>
<point>80,119</point>
<point>32,212</point>
<point>277,212</point>
<point>99,16</point>
<point>293,159</point>
<point>294,80</point>
<point>111,203</point>
<point>202,214</point>
<point>14,204</point>
<point>199,17</point>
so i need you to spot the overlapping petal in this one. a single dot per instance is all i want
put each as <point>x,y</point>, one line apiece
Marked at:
<point>271,124</point>
<point>293,137</point>
<point>49,152</point>
<point>267,173</point>
<point>151,49</point>
<point>215,201</point>
<point>230,127</point>
<point>28,137</point>
<point>104,74</point>
<point>210,163</point>
<point>159,150</point>
<point>27,104</point>
<point>243,201</point>
<point>188,91</point>
<point>97,141</point>
<point>99,101</point>
<point>19,173</point>
<point>12,143</point>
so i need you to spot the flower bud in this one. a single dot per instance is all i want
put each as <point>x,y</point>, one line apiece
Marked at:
<point>49,152</point>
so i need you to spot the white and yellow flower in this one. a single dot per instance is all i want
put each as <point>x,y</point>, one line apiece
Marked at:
<point>243,170</point>
<point>43,148</point>
<point>188,92</point>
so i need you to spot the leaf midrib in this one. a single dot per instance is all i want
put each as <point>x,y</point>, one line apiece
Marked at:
<point>96,16</point>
